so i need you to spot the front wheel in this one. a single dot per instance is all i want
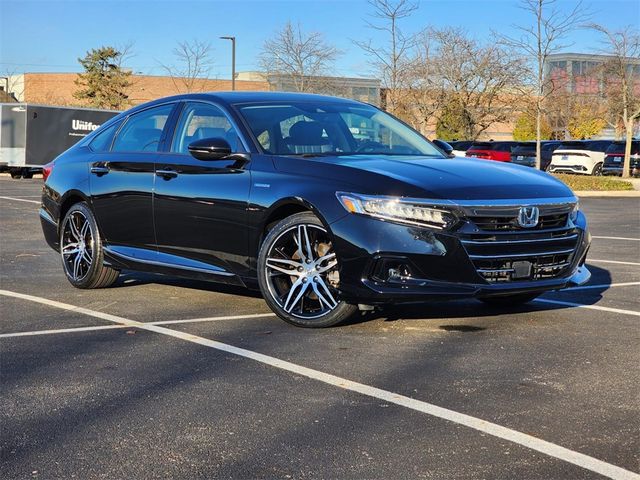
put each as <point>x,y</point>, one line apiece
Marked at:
<point>81,250</point>
<point>298,273</point>
<point>507,300</point>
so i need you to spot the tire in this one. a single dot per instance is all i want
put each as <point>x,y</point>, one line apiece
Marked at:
<point>27,175</point>
<point>81,250</point>
<point>597,170</point>
<point>16,175</point>
<point>299,284</point>
<point>507,300</point>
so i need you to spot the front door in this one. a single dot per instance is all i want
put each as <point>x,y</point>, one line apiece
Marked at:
<point>122,179</point>
<point>200,206</point>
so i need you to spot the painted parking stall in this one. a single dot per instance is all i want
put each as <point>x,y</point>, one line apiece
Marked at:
<point>187,312</point>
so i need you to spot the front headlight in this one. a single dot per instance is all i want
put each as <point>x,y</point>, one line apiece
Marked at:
<point>397,209</point>
<point>573,216</point>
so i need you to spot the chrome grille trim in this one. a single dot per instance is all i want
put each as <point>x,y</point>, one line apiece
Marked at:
<point>522,255</point>
<point>509,242</point>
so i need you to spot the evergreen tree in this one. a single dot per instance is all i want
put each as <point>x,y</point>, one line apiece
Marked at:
<point>104,82</point>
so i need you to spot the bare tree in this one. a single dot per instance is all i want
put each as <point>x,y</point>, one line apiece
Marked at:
<point>301,59</point>
<point>390,59</point>
<point>545,35</point>
<point>455,79</point>
<point>622,81</point>
<point>193,63</point>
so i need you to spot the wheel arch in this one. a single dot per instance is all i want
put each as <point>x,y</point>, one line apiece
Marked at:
<point>68,200</point>
<point>280,210</point>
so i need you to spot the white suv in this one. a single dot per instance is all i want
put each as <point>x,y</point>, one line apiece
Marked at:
<point>583,156</point>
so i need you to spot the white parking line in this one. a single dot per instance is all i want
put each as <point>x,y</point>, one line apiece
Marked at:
<point>20,200</point>
<point>589,287</point>
<point>616,238</point>
<point>111,327</point>
<point>60,330</point>
<point>542,446</point>
<point>589,260</point>
<point>590,307</point>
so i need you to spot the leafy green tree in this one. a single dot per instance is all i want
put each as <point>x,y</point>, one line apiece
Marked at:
<point>453,123</point>
<point>104,82</point>
<point>586,121</point>
<point>525,128</point>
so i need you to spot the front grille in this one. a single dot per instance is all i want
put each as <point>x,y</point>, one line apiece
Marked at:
<point>511,223</point>
<point>502,251</point>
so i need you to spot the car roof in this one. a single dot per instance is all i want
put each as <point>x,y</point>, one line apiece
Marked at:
<point>240,97</point>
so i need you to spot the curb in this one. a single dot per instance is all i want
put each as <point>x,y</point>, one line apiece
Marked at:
<point>608,193</point>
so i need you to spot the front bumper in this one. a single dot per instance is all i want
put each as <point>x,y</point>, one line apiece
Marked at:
<point>440,264</point>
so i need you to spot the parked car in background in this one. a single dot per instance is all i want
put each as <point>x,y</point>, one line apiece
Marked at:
<point>585,157</point>
<point>498,151</point>
<point>444,146</point>
<point>273,191</point>
<point>614,159</point>
<point>460,147</point>
<point>525,153</point>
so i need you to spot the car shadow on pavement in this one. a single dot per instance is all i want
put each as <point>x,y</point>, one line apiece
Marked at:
<point>470,308</point>
<point>130,278</point>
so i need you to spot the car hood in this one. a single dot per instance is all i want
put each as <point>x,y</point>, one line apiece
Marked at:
<point>437,178</point>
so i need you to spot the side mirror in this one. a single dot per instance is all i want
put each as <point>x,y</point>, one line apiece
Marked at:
<point>210,149</point>
<point>444,146</point>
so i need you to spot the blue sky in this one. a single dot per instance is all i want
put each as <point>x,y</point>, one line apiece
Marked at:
<point>49,36</point>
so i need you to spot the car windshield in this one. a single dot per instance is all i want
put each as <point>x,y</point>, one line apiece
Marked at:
<point>331,128</point>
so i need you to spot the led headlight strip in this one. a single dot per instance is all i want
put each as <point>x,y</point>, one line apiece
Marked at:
<point>397,209</point>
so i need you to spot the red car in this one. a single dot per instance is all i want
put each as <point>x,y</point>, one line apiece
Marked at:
<point>498,151</point>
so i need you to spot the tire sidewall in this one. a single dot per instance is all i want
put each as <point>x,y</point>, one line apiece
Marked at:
<point>336,316</point>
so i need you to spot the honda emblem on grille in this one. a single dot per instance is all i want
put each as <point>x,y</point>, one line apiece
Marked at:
<point>528,217</point>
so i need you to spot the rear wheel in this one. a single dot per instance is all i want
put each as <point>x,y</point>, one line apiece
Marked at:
<point>507,300</point>
<point>81,250</point>
<point>298,273</point>
<point>597,170</point>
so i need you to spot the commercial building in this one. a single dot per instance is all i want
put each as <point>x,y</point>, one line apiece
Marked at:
<point>583,74</point>
<point>58,88</point>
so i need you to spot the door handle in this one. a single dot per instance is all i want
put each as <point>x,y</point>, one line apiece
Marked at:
<point>167,173</point>
<point>100,170</point>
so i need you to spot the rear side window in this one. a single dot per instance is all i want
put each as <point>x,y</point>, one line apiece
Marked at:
<point>143,130</point>
<point>102,141</point>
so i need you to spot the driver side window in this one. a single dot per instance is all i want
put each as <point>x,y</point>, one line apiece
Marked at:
<point>202,120</point>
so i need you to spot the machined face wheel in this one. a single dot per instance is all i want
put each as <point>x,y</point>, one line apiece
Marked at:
<point>77,246</point>
<point>301,270</point>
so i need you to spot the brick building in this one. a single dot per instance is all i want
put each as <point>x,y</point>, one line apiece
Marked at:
<point>58,88</point>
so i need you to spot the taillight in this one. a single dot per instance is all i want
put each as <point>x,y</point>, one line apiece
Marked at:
<point>46,171</point>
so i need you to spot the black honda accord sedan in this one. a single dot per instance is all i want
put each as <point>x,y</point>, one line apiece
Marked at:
<point>324,204</point>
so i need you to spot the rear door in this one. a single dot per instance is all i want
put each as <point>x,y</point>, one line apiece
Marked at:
<point>200,205</point>
<point>122,178</point>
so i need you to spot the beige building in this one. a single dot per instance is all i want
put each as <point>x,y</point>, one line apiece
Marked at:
<point>58,88</point>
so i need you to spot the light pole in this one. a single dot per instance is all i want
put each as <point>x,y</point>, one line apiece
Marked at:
<point>233,60</point>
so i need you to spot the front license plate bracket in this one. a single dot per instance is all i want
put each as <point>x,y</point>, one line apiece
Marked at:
<point>521,269</point>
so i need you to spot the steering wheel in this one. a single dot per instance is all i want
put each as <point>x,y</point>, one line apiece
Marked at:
<point>370,147</point>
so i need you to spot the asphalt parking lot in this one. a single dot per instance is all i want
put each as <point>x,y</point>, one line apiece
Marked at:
<point>166,378</point>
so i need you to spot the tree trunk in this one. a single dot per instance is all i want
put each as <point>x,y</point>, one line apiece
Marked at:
<point>538,135</point>
<point>626,165</point>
